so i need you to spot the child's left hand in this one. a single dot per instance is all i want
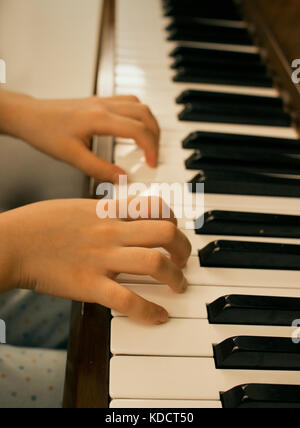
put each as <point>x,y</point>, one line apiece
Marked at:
<point>63,129</point>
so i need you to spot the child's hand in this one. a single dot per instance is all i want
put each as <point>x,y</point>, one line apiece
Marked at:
<point>63,249</point>
<point>63,128</point>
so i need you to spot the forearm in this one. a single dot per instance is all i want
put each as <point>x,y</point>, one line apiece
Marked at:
<point>14,111</point>
<point>8,256</point>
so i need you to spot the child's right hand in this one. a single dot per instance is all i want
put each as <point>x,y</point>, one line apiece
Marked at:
<point>61,248</point>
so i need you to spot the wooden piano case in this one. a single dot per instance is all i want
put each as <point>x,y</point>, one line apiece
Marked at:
<point>276,29</point>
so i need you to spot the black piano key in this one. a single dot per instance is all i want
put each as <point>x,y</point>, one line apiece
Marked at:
<point>197,58</point>
<point>272,165</point>
<point>246,144</point>
<point>234,67</point>
<point>202,56</point>
<point>254,310</point>
<point>257,353</point>
<point>230,223</point>
<point>230,100</point>
<point>204,14</point>
<point>260,161</point>
<point>250,255</point>
<point>255,396</point>
<point>203,4</point>
<point>196,23</point>
<point>205,10</point>
<point>225,183</point>
<point>202,32</point>
<point>222,76</point>
<point>226,10</point>
<point>219,114</point>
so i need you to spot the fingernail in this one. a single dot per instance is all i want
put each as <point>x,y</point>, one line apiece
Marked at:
<point>184,285</point>
<point>163,317</point>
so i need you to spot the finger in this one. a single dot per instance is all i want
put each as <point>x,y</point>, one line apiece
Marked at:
<point>159,234</point>
<point>124,301</point>
<point>107,123</point>
<point>136,111</point>
<point>151,208</point>
<point>143,261</point>
<point>120,98</point>
<point>94,166</point>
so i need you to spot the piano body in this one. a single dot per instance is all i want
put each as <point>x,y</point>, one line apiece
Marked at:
<point>218,77</point>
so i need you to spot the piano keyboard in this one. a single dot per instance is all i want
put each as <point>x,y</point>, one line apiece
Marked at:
<point>228,342</point>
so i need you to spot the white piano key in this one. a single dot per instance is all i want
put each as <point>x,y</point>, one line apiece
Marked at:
<point>169,139</point>
<point>198,275</point>
<point>210,21</point>
<point>144,49</point>
<point>131,9</point>
<point>173,139</point>
<point>191,215</point>
<point>180,378</point>
<point>130,156</point>
<point>170,90</point>
<point>173,89</point>
<point>181,337</point>
<point>165,404</point>
<point>256,203</point>
<point>260,204</point>
<point>141,173</point>
<point>145,69</point>
<point>192,304</point>
<point>130,39</point>
<point>143,63</point>
<point>187,210</point>
<point>150,74</point>
<point>135,48</point>
<point>168,122</point>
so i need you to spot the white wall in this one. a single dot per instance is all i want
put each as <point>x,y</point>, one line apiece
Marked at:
<point>50,45</point>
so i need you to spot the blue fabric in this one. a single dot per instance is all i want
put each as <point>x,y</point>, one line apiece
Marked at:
<point>32,363</point>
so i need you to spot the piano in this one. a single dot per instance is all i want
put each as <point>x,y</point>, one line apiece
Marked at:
<point>218,77</point>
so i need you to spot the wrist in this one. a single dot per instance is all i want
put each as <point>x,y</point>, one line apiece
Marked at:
<point>15,113</point>
<point>8,254</point>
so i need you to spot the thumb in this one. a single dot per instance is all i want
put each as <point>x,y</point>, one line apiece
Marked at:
<point>96,167</point>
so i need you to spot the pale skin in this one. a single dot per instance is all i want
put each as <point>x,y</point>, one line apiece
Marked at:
<point>61,248</point>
